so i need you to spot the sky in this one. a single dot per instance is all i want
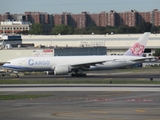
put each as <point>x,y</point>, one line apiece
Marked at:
<point>76,6</point>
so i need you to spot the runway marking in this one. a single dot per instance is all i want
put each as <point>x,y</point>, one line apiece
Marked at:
<point>61,78</point>
<point>54,114</point>
<point>71,114</point>
<point>141,111</point>
<point>100,99</point>
<point>118,93</point>
<point>139,100</point>
<point>85,114</point>
<point>98,95</point>
<point>73,98</point>
<point>108,78</point>
<point>100,112</point>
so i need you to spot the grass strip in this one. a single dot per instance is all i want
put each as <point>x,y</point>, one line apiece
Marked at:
<point>113,81</point>
<point>13,97</point>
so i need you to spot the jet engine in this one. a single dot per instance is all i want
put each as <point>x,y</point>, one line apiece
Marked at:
<point>61,70</point>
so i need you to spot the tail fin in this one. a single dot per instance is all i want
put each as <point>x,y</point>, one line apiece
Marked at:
<point>139,46</point>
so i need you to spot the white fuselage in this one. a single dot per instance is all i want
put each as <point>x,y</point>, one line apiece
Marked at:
<point>49,63</point>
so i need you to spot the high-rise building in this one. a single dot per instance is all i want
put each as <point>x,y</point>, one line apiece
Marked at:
<point>126,18</point>
<point>144,17</point>
<point>156,17</point>
<point>39,17</point>
<point>74,20</point>
<point>84,19</point>
<point>58,19</point>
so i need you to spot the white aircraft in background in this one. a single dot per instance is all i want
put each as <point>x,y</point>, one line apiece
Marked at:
<point>63,65</point>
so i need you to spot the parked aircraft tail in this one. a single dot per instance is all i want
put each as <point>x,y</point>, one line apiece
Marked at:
<point>139,46</point>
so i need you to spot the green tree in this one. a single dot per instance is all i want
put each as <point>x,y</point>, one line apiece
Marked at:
<point>70,30</point>
<point>158,29</point>
<point>122,29</point>
<point>145,27</point>
<point>127,29</point>
<point>36,29</point>
<point>62,29</point>
<point>154,29</point>
<point>157,52</point>
<point>92,28</point>
<point>132,30</point>
<point>80,31</point>
<point>110,29</point>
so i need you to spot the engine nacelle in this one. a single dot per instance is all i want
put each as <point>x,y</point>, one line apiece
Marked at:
<point>61,70</point>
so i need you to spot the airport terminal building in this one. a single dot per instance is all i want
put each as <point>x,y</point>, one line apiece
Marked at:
<point>116,44</point>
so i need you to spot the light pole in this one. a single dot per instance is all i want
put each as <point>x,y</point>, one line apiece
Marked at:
<point>51,40</point>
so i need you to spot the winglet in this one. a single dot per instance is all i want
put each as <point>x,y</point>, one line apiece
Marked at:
<point>139,46</point>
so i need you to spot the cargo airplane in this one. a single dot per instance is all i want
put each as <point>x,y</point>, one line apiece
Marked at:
<point>63,65</point>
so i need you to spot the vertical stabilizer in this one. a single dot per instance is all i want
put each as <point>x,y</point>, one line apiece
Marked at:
<point>139,46</point>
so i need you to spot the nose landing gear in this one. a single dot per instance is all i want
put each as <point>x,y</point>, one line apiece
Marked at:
<point>17,76</point>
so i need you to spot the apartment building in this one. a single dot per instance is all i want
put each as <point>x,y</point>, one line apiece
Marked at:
<point>84,19</point>
<point>112,18</point>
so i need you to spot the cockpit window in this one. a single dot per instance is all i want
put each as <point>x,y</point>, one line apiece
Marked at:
<point>8,63</point>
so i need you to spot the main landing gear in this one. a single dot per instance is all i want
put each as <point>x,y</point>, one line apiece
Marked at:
<point>79,75</point>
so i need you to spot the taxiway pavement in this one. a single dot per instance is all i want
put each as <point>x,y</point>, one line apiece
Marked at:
<point>82,102</point>
<point>79,87</point>
<point>82,105</point>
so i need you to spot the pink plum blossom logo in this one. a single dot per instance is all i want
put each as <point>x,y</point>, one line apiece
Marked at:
<point>137,49</point>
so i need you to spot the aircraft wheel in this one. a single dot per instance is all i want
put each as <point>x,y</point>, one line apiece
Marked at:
<point>17,76</point>
<point>73,75</point>
<point>3,74</point>
<point>78,75</point>
<point>84,75</point>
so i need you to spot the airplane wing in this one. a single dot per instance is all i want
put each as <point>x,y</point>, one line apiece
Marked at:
<point>86,65</point>
<point>143,59</point>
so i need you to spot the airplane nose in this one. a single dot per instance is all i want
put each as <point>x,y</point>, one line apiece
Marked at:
<point>5,65</point>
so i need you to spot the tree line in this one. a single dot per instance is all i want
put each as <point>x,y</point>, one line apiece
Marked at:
<point>37,29</point>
